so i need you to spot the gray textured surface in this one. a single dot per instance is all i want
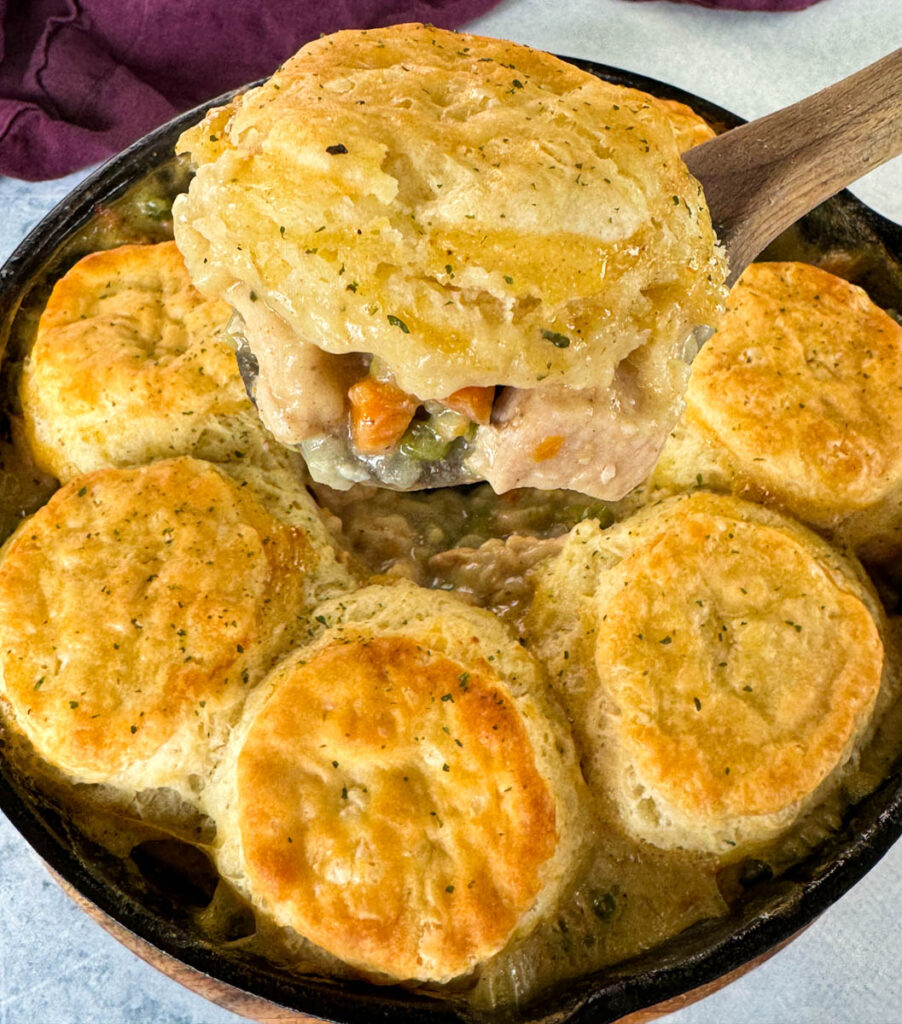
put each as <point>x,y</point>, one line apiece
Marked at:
<point>58,967</point>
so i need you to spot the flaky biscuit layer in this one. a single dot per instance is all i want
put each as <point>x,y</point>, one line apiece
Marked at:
<point>403,792</point>
<point>140,606</point>
<point>720,662</point>
<point>454,205</point>
<point>131,364</point>
<point>797,401</point>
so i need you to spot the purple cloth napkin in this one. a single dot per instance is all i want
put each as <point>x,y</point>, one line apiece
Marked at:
<point>81,79</point>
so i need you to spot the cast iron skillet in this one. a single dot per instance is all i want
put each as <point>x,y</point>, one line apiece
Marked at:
<point>771,909</point>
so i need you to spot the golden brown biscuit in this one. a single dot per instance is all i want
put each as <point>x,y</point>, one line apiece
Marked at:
<point>796,401</point>
<point>689,128</point>
<point>720,662</point>
<point>403,794</point>
<point>468,212</point>
<point>130,364</point>
<point>138,607</point>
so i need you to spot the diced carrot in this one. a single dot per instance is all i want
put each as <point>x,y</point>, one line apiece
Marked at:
<point>474,403</point>
<point>380,413</point>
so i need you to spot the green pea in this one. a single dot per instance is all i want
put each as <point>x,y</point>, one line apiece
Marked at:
<point>422,443</point>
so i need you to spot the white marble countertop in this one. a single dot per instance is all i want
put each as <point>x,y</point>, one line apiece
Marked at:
<point>58,967</point>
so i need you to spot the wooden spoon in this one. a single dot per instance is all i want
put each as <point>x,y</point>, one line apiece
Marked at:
<point>761,177</point>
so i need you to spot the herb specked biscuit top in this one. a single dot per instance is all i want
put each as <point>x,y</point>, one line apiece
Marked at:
<point>140,606</point>
<point>402,792</point>
<point>130,364</point>
<point>720,663</point>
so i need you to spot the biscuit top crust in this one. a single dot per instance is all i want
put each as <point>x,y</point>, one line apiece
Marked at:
<point>736,670</point>
<point>137,601</point>
<point>802,384</point>
<point>689,128</point>
<point>127,352</point>
<point>471,211</point>
<point>391,809</point>
<point>720,663</point>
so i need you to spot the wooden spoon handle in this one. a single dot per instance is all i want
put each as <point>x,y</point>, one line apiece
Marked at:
<point>761,177</point>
